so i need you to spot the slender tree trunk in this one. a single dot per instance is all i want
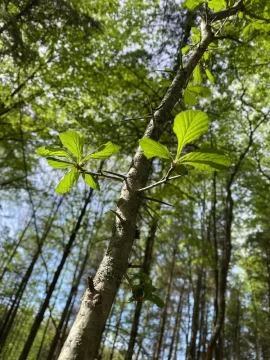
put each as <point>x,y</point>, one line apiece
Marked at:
<point>12,312</point>
<point>227,248</point>
<point>65,328</point>
<point>72,293</point>
<point>43,339</point>
<point>177,322</point>
<point>40,315</point>
<point>85,335</point>
<point>146,269</point>
<point>117,330</point>
<point>14,250</point>
<point>202,317</point>
<point>195,319</point>
<point>164,314</point>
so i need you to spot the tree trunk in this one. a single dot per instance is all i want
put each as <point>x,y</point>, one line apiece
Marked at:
<point>164,314</point>
<point>85,335</point>
<point>195,319</point>
<point>177,322</point>
<point>40,315</point>
<point>117,330</point>
<point>12,312</point>
<point>146,269</point>
<point>73,292</point>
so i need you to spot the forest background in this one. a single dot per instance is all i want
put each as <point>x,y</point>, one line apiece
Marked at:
<point>102,69</point>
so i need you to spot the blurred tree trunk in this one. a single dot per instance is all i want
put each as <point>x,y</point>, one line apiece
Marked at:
<point>40,315</point>
<point>12,311</point>
<point>158,347</point>
<point>148,254</point>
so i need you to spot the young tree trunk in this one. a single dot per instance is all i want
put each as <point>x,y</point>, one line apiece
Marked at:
<point>164,314</point>
<point>177,322</point>
<point>227,248</point>
<point>146,269</point>
<point>12,312</point>
<point>14,250</point>
<point>85,335</point>
<point>72,293</point>
<point>195,318</point>
<point>118,323</point>
<point>40,315</point>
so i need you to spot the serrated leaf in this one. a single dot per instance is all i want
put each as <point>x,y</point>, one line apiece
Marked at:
<point>188,126</point>
<point>67,181</point>
<point>207,159</point>
<point>73,142</point>
<point>90,181</point>
<point>153,148</point>
<point>58,164</point>
<point>103,152</point>
<point>210,76</point>
<point>197,75</point>
<point>52,151</point>
<point>157,300</point>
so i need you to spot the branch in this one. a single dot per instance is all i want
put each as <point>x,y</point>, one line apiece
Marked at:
<point>162,181</point>
<point>229,37</point>
<point>156,200</point>
<point>239,6</point>
<point>118,177</point>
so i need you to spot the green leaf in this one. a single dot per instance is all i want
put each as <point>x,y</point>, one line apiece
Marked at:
<point>207,159</point>
<point>67,181</point>
<point>189,98</point>
<point>58,164</point>
<point>165,82</point>
<point>180,170</point>
<point>192,4</point>
<point>73,142</point>
<point>210,76</point>
<point>51,151</point>
<point>153,148</point>
<point>197,75</point>
<point>103,152</point>
<point>217,5</point>
<point>185,49</point>
<point>188,126</point>
<point>157,300</point>
<point>200,90</point>
<point>90,181</point>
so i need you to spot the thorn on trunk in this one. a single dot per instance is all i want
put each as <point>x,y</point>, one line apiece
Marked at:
<point>91,284</point>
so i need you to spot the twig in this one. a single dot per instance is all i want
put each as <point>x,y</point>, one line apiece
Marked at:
<point>102,174</point>
<point>113,173</point>
<point>131,266</point>
<point>162,181</point>
<point>156,200</point>
<point>91,284</point>
<point>119,217</point>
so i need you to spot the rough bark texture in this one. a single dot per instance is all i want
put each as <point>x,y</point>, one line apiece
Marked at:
<point>85,335</point>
